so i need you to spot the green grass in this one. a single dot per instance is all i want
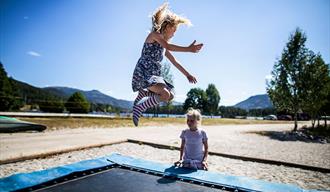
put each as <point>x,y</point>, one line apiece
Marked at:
<point>69,122</point>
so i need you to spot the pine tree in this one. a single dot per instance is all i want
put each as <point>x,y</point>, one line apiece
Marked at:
<point>77,103</point>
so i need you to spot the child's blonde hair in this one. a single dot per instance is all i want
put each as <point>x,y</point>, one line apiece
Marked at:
<point>194,114</point>
<point>163,17</point>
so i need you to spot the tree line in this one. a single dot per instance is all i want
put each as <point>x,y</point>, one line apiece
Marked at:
<point>208,102</point>
<point>14,95</point>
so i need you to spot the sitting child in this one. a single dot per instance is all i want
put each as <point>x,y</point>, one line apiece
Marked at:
<point>194,146</point>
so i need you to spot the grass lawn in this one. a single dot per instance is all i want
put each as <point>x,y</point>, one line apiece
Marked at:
<point>69,122</point>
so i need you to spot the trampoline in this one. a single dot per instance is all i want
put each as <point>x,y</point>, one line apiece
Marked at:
<point>12,125</point>
<point>118,173</point>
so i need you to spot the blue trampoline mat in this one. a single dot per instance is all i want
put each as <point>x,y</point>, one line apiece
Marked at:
<point>123,173</point>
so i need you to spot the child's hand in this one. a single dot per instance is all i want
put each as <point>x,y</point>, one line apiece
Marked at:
<point>205,165</point>
<point>195,48</point>
<point>178,163</point>
<point>191,79</point>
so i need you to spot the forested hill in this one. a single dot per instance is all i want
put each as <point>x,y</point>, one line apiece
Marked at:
<point>15,93</point>
<point>30,93</point>
<point>93,96</point>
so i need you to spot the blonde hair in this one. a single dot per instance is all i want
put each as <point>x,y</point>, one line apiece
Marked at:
<point>163,17</point>
<point>194,114</point>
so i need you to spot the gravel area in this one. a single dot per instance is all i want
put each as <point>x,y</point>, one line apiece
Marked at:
<point>230,139</point>
<point>279,174</point>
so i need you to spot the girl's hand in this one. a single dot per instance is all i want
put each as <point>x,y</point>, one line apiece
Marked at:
<point>191,79</point>
<point>195,48</point>
<point>205,165</point>
<point>178,163</point>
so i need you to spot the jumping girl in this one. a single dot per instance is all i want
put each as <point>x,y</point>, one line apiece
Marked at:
<point>146,77</point>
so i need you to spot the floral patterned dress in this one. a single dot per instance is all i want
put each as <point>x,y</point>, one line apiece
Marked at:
<point>148,69</point>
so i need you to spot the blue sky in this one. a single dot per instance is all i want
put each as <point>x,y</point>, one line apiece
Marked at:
<point>95,44</point>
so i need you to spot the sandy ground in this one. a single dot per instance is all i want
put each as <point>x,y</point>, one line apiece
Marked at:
<point>231,139</point>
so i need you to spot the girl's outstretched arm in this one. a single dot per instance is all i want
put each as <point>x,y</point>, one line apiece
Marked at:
<point>190,78</point>
<point>171,47</point>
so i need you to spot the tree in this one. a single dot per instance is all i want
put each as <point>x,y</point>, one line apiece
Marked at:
<point>165,72</point>
<point>325,109</point>
<point>9,97</point>
<point>17,102</point>
<point>196,98</point>
<point>231,112</point>
<point>167,75</point>
<point>286,86</point>
<point>77,103</point>
<point>316,86</point>
<point>213,99</point>
<point>261,112</point>
<point>5,90</point>
<point>55,106</point>
<point>168,108</point>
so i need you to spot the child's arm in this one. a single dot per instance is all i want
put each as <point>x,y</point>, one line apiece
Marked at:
<point>183,142</point>
<point>206,150</point>
<point>190,78</point>
<point>181,153</point>
<point>171,47</point>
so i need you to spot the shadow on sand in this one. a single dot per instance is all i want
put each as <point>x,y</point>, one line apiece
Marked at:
<point>171,174</point>
<point>299,135</point>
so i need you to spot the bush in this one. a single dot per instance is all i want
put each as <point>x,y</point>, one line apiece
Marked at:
<point>52,106</point>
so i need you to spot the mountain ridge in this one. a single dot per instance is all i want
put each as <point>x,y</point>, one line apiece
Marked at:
<point>260,101</point>
<point>93,96</point>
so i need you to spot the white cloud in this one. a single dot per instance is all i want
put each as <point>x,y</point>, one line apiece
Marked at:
<point>33,53</point>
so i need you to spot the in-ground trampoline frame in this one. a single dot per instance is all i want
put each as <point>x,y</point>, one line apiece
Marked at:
<point>41,180</point>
